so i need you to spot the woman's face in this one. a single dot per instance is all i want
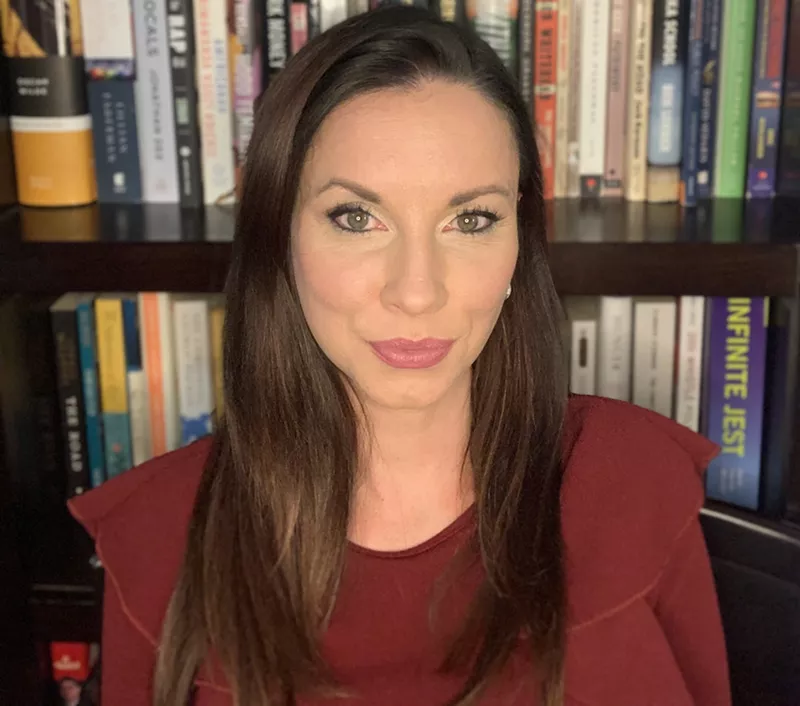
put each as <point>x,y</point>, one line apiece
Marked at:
<point>404,238</point>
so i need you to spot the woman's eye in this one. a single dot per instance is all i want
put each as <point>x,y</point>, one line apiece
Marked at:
<point>356,220</point>
<point>476,222</point>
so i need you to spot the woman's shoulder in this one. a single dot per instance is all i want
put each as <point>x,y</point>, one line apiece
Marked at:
<point>139,521</point>
<point>633,485</point>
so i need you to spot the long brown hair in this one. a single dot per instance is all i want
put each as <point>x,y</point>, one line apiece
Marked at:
<point>268,537</point>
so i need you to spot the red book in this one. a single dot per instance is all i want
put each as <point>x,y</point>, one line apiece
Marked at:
<point>544,89</point>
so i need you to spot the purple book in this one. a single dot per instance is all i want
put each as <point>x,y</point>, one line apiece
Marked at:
<point>737,341</point>
<point>765,110</point>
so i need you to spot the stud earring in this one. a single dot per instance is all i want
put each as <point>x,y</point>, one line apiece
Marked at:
<point>508,291</point>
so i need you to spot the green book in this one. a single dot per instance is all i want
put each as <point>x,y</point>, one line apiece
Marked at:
<point>733,114</point>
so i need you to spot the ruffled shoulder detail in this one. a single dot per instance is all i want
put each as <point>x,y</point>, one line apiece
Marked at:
<point>633,484</point>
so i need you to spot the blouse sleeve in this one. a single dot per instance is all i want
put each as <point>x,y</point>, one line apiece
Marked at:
<point>128,658</point>
<point>685,603</point>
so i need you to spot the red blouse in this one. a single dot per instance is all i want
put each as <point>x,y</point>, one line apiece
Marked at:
<point>643,627</point>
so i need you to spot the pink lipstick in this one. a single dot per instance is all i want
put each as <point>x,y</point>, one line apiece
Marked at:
<point>404,353</point>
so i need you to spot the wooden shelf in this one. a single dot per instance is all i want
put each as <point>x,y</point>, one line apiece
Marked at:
<point>721,248</point>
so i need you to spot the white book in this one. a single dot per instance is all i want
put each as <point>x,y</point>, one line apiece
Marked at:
<point>582,313</point>
<point>654,353</point>
<point>614,348</point>
<point>595,25</point>
<point>139,410</point>
<point>158,156</point>
<point>193,362</point>
<point>688,379</point>
<point>332,12</point>
<point>562,100</point>
<point>214,100</point>
<point>107,30</point>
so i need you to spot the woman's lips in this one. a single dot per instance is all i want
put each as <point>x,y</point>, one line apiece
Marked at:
<point>404,353</point>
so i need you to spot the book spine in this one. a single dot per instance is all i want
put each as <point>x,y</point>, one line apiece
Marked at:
<point>217,319</point>
<point>618,64</point>
<point>689,372</point>
<point>137,384</point>
<point>691,105</point>
<point>151,362</point>
<point>298,24</point>
<point>116,141</point>
<point>654,354</point>
<point>789,162</point>
<point>182,58</point>
<point>638,108</point>
<point>107,39</point>
<point>562,100</point>
<point>216,126</point>
<point>70,395</point>
<point>276,38</point>
<point>331,12</point>
<point>154,107</point>
<point>91,392</point>
<point>544,99</point>
<point>573,118</point>
<point>736,68</point>
<point>765,109</point>
<point>616,341</point>
<point>51,129</point>
<point>594,81</point>
<point>583,357</point>
<point>193,359</point>
<point>244,83</point>
<point>113,385</point>
<point>525,56</point>
<point>735,401</point>
<point>495,21</point>
<point>709,97</point>
<point>666,100</point>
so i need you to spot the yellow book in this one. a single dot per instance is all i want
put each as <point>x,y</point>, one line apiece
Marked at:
<point>217,314</point>
<point>112,377</point>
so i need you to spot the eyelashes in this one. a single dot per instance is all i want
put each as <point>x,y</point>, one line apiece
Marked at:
<point>355,217</point>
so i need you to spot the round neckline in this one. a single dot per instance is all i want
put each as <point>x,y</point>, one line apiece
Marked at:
<point>460,523</point>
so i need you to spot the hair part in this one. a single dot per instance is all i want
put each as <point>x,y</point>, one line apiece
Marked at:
<point>268,535</point>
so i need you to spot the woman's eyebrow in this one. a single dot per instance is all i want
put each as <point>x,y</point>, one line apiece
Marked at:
<point>457,200</point>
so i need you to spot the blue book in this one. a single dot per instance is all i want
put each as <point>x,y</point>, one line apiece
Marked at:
<point>138,408</point>
<point>91,391</point>
<point>691,105</point>
<point>712,35</point>
<point>735,360</point>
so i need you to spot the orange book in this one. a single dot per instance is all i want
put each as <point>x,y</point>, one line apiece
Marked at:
<point>544,89</point>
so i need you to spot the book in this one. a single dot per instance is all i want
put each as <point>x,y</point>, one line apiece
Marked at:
<point>638,101</point>
<point>525,50</point>
<point>582,315</point>
<point>112,374</point>
<point>735,397</point>
<point>594,82</point>
<point>51,129</point>
<point>615,344</point>
<point>138,404</point>
<point>573,185</point>
<point>618,64</point>
<point>654,353</point>
<point>689,363</point>
<point>709,97</point>
<point>216,320</point>
<point>87,342</point>
<point>563,99</point>
<point>736,69</point>
<point>690,130</point>
<point>544,91</point>
<point>64,320</point>
<point>765,106</point>
<point>495,21</point>
<point>789,162</point>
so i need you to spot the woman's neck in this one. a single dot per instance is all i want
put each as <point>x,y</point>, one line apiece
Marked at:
<point>415,480</point>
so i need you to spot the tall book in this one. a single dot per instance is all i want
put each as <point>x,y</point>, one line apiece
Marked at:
<point>574,105</point>
<point>214,100</point>
<point>615,344</point>
<point>582,322</point>
<point>182,55</point>
<point>765,107</point>
<point>495,21</point>
<point>594,82</point>
<point>158,155</point>
<point>64,319</point>
<point>544,98</point>
<point>789,162</point>
<point>137,384</point>
<point>110,70</point>
<point>689,364</point>
<point>87,340</point>
<point>618,64</point>
<point>193,362</point>
<point>563,85</point>
<point>217,319</point>
<point>654,353</point>
<point>666,100</point>
<point>113,384</point>
<point>525,51</point>
<point>51,127</point>
<point>638,102</point>
<point>691,105</point>
<point>277,41</point>
<point>709,97</point>
<point>736,71</point>
<point>735,397</point>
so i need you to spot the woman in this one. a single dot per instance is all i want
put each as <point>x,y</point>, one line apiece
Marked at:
<point>401,506</point>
